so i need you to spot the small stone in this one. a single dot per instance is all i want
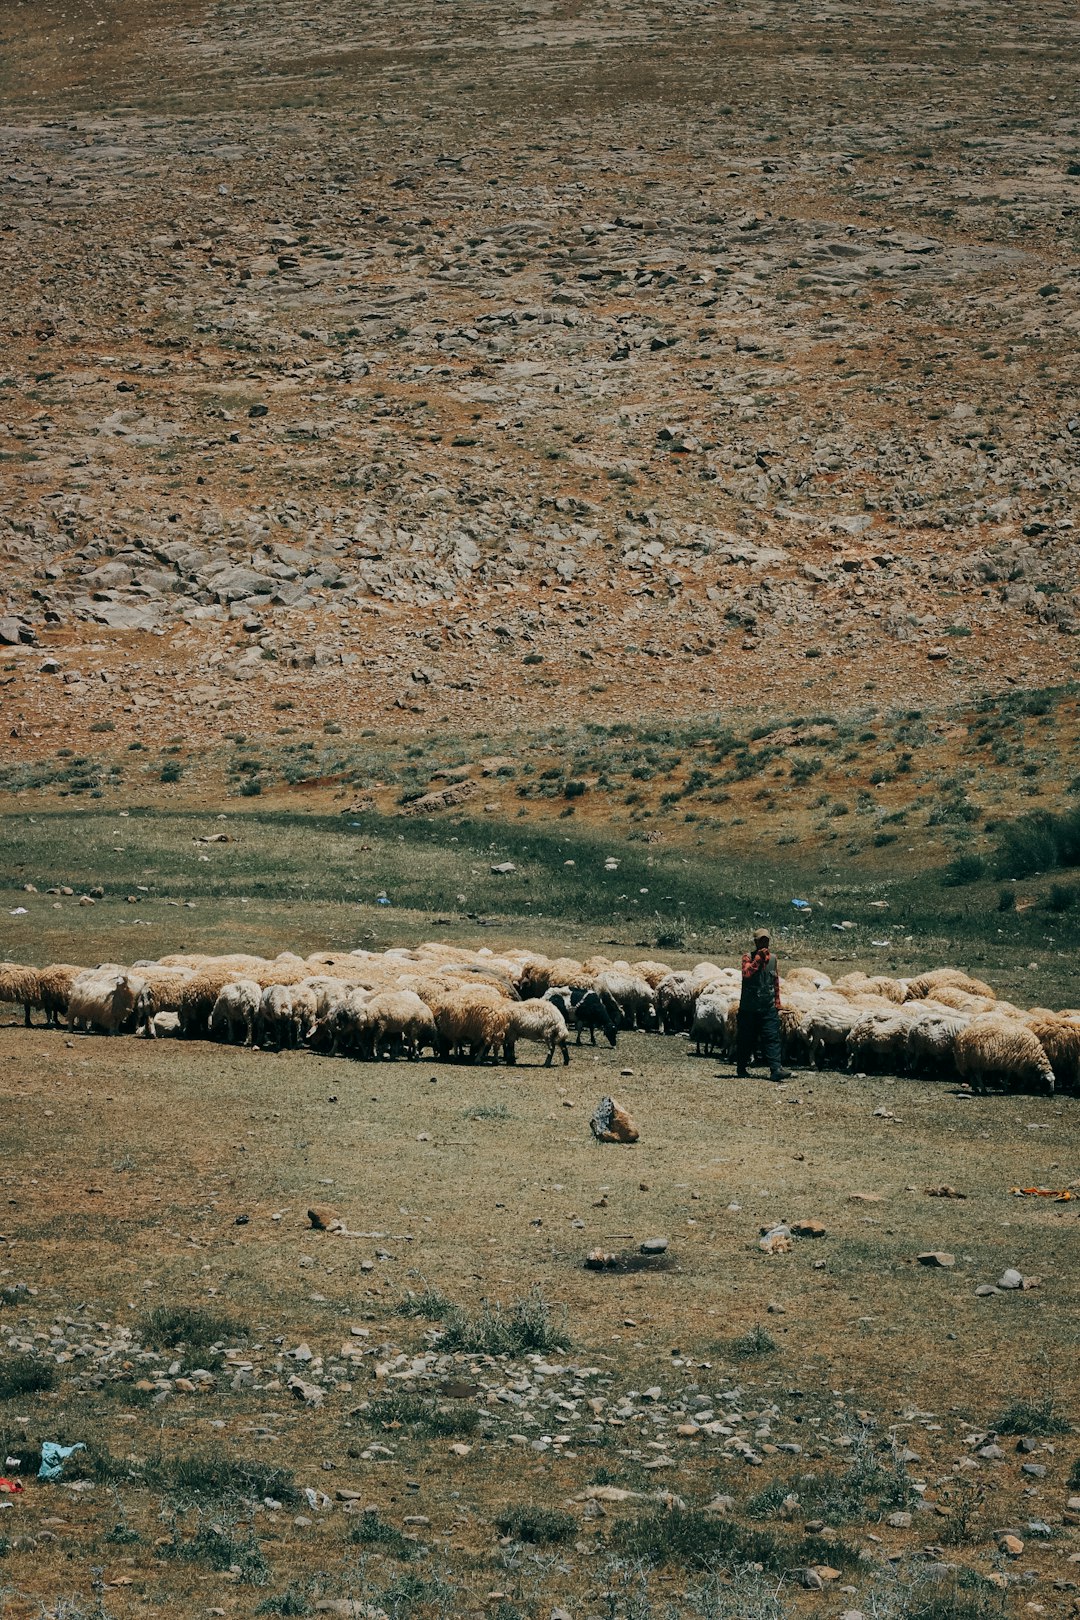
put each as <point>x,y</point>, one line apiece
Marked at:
<point>323,1219</point>
<point>986,1291</point>
<point>655,1245</point>
<point>1033,1470</point>
<point>991,1453</point>
<point>899,1521</point>
<point>808,1229</point>
<point>936,1257</point>
<point>1011,1546</point>
<point>1011,1279</point>
<point>776,1243</point>
<point>460,1449</point>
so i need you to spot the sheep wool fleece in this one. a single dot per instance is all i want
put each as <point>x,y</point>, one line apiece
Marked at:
<point>758,1027</point>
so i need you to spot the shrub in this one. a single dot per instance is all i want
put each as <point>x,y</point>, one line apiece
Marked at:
<point>172,772</point>
<point>250,788</point>
<point>1006,900</point>
<point>295,1600</point>
<point>189,1325</point>
<point>494,1331</point>
<point>699,1541</point>
<point>414,1412</point>
<point>755,1343</point>
<point>574,789</point>
<point>1038,842</point>
<point>429,1303</point>
<point>965,869</point>
<point>1060,898</point>
<point>217,1545</point>
<point>220,1478</point>
<point>25,1375</point>
<point>1031,1417</point>
<point>371,1531</point>
<point>536,1524</point>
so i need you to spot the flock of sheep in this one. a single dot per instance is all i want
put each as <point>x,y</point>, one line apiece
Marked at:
<point>476,1004</point>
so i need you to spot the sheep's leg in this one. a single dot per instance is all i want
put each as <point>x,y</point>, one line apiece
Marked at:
<point>510,1054</point>
<point>565,1050</point>
<point>26,1012</point>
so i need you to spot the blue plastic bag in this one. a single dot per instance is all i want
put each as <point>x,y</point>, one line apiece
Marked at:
<point>54,1456</point>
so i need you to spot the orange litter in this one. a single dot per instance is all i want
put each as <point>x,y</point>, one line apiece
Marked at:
<point>1062,1194</point>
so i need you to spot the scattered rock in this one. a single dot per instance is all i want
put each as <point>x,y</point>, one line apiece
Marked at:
<point>1011,1546</point>
<point>612,1123</point>
<point>808,1229</point>
<point>936,1257</point>
<point>323,1219</point>
<point>656,1245</point>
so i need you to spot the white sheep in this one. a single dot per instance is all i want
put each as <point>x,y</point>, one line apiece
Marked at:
<point>503,1026</point>
<point>709,1028</point>
<point>345,1030</point>
<point>826,1027</point>
<point>931,1039</point>
<point>1002,1049</point>
<point>400,1021</point>
<point>879,1040</point>
<point>103,999</point>
<point>161,991</point>
<point>675,1003</point>
<point>628,992</point>
<point>235,1012</point>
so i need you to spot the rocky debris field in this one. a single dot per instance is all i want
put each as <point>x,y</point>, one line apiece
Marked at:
<point>430,344</point>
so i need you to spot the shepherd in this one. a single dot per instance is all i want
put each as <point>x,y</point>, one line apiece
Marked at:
<point>758,1029</point>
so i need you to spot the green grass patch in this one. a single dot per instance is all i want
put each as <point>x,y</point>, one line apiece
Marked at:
<point>216,1477</point>
<point>426,1303</point>
<point>537,1525</point>
<point>697,1540</point>
<point>25,1375</point>
<point>414,1412</point>
<point>1031,1417</point>
<point>497,1330</point>
<point>371,1531</point>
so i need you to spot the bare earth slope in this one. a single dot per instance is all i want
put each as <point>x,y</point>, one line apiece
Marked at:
<point>432,341</point>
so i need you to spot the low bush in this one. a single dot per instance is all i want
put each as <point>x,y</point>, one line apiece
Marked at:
<point>371,1531</point>
<point>414,1412</point>
<point>699,1540</point>
<point>1031,1417</point>
<point>747,1346</point>
<point>1039,842</point>
<point>189,1325</point>
<point>965,869</point>
<point>537,1524</point>
<point>217,1477</point>
<point>428,1303</point>
<point>527,1324</point>
<point>25,1375</point>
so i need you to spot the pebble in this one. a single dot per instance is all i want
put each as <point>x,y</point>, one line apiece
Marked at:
<point>1011,1546</point>
<point>1011,1279</point>
<point>936,1257</point>
<point>655,1245</point>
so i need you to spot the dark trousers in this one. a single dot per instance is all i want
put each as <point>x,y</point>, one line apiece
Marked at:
<point>758,1031</point>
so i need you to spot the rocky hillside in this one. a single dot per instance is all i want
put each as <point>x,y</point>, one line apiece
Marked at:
<point>416,357</point>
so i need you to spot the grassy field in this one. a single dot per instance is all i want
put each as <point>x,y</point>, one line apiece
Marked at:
<point>156,1227</point>
<point>300,880</point>
<point>141,1179</point>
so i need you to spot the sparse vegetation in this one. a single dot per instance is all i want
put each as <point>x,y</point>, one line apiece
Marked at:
<point>25,1375</point>
<point>1032,1417</point>
<point>527,1324</point>
<point>536,1524</point>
